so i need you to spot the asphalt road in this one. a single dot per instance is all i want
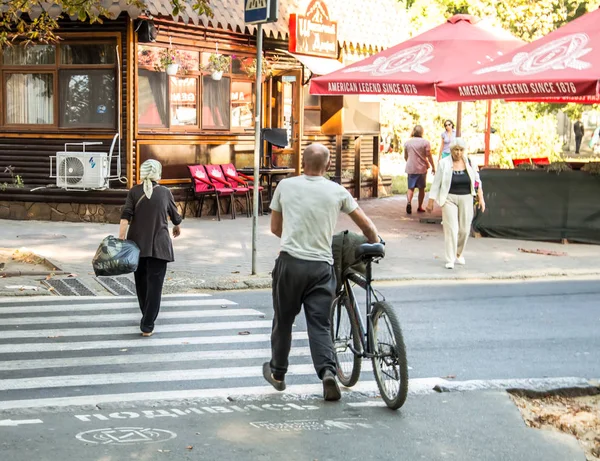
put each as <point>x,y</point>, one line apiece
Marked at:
<point>504,330</point>
<point>78,382</point>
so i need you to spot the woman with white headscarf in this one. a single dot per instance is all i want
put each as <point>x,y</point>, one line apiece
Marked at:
<point>147,210</point>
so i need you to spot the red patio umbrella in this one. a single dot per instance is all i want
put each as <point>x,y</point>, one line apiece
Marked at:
<point>564,66</point>
<point>415,66</point>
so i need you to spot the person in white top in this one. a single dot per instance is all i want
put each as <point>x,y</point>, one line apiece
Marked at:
<point>454,186</point>
<point>305,210</point>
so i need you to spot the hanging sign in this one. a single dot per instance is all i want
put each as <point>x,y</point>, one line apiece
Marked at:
<point>313,33</point>
<point>260,11</point>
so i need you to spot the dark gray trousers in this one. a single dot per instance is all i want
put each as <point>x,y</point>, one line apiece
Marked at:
<point>297,282</point>
<point>149,278</point>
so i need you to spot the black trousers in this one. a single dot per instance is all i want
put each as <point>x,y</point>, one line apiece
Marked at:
<point>578,143</point>
<point>149,279</point>
<point>298,282</point>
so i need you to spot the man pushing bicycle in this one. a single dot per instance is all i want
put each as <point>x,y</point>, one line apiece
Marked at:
<point>305,210</point>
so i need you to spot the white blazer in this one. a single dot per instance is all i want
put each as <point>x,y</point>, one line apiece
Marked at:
<point>443,178</point>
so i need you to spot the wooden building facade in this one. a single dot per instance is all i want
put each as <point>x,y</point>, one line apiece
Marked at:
<point>110,78</point>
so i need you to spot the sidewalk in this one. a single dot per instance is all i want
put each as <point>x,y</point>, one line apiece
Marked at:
<point>474,426</point>
<point>217,255</point>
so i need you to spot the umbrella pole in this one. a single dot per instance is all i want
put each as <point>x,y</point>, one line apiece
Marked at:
<point>488,132</point>
<point>458,119</point>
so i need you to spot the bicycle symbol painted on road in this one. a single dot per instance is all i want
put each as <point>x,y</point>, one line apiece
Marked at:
<point>125,435</point>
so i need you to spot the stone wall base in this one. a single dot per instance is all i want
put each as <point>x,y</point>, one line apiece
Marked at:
<point>81,212</point>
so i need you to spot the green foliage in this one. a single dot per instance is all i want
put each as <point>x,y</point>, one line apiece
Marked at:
<point>558,167</point>
<point>531,20</point>
<point>592,168</point>
<point>16,180</point>
<point>526,19</point>
<point>526,166</point>
<point>15,25</point>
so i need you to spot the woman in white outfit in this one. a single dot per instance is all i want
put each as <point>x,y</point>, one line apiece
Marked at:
<point>453,189</point>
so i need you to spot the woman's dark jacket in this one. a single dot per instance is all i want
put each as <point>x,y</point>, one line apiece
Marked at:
<point>148,221</point>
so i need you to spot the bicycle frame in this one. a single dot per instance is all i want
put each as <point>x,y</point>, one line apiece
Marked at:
<point>366,331</point>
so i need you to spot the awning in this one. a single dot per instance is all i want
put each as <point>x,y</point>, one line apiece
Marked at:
<point>564,64</point>
<point>318,66</point>
<point>415,66</point>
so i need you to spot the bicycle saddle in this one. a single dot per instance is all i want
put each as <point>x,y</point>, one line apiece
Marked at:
<point>370,250</point>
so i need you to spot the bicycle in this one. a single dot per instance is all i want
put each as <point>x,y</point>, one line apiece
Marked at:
<point>379,340</point>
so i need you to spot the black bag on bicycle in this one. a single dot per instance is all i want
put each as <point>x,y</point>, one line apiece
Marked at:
<point>116,257</point>
<point>343,246</point>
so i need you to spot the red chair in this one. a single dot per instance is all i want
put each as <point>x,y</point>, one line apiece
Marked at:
<point>216,176</point>
<point>540,161</point>
<point>233,175</point>
<point>520,161</point>
<point>201,187</point>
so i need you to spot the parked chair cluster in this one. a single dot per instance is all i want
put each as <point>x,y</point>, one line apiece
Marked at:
<point>221,181</point>
<point>537,161</point>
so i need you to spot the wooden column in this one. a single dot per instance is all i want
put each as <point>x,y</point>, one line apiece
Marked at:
<point>357,180</point>
<point>338,158</point>
<point>130,97</point>
<point>375,167</point>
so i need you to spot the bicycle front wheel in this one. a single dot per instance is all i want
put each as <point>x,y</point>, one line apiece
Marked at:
<point>345,335</point>
<point>389,360</point>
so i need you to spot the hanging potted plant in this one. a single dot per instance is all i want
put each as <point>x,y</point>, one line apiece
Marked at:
<point>168,61</point>
<point>217,64</point>
<point>248,65</point>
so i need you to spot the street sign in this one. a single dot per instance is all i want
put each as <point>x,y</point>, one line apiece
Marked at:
<point>260,11</point>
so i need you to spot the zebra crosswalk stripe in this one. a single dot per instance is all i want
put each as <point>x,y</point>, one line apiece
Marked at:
<point>74,358</point>
<point>44,308</point>
<point>176,357</point>
<point>115,331</point>
<point>133,316</point>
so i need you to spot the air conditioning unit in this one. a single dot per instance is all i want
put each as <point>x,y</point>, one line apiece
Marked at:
<point>82,170</point>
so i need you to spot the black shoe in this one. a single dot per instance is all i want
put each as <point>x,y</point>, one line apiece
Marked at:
<point>331,390</point>
<point>408,208</point>
<point>268,375</point>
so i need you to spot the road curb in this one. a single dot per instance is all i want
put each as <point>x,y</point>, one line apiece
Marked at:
<point>264,283</point>
<point>539,385</point>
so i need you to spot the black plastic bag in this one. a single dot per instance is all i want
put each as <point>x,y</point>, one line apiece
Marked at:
<point>116,257</point>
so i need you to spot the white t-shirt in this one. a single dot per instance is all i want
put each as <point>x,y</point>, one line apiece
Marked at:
<point>310,206</point>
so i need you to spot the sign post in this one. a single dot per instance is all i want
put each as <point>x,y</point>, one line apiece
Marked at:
<point>258,12</point>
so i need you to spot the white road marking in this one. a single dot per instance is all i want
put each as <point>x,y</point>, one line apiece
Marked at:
<point>64,300</point>
<point>297,391</point>
<point>114,305</point>
<point>140,342</point>
<point>145,358</point>
<point>155,377</point>
<point>134,316</point>
<point>19,422</point>
<point>220,392</point>
<point>114,331</point>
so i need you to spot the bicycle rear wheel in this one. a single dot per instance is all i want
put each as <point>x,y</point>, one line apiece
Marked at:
<point>389,361</point>
<point>345,334</point>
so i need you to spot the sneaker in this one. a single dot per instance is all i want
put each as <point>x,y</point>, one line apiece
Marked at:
<point>268,375</point>
<point>461,260</point>
<point>147,334</point>
<point>408,208</point>
<point>331,390</point>
<point>449,265</point>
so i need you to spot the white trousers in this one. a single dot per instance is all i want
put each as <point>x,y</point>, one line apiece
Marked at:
<point>457,216</point>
